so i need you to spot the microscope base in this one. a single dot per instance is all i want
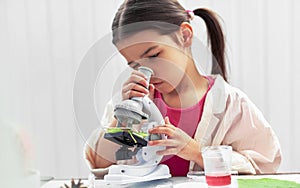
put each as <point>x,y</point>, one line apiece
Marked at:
<point>124,174</point>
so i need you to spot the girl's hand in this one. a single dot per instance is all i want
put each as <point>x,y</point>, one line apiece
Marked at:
<point>178,142</point>
<point>136,86</point>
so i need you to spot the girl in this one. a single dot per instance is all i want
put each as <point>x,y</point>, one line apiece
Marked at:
<point>199,110</point>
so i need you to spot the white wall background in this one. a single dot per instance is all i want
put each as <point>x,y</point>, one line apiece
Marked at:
<point>42,43</point>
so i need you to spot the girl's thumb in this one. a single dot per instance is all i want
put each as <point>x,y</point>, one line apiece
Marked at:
<point>167,121</point>
<point>151,91</point>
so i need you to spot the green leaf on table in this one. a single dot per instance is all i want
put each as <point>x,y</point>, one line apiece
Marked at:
<point>267,183</point>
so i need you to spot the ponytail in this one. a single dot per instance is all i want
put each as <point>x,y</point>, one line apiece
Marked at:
<point>216,38</point>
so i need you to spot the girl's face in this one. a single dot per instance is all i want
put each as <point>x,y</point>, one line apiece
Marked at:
<point>160,53</point>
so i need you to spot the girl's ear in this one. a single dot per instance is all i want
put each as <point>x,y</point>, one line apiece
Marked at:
<point>187,33</point>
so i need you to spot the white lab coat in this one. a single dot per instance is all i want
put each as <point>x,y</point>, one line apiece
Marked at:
<point>229,118</point>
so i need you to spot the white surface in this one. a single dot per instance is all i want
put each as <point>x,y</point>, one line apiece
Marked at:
<point>176,182</point>
<point>42,43</point>
<point>190,185</point>
<point>116,177</point>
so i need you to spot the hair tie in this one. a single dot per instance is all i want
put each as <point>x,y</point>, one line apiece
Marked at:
<point>190,14</point>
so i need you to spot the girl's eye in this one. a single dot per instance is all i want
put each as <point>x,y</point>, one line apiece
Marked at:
<point>134,65</point>
<point>155,55</point>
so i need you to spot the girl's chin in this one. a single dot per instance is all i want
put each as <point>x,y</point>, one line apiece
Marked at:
<point>162,90</point>
<point>161,87</point>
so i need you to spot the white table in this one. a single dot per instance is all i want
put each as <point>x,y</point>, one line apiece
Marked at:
<point>174,182</point>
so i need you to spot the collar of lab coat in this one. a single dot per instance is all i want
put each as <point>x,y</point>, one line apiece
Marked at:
<point>217,96</point>
<point>215,103</point>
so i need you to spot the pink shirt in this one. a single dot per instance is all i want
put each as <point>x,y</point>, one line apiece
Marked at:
<point>187,119</point>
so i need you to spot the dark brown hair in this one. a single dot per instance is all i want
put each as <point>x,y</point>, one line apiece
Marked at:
<point>160,12</point>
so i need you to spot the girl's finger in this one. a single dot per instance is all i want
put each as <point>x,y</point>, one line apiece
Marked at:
<point>129,94</point>
<point>138,73</point>
<point>135,87</point>
<point>168,151</point>
<point>162,130</point>
<point>166,142</point>
<point>137,79</point>
<point>167,120</point>
<point>151,91</point>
